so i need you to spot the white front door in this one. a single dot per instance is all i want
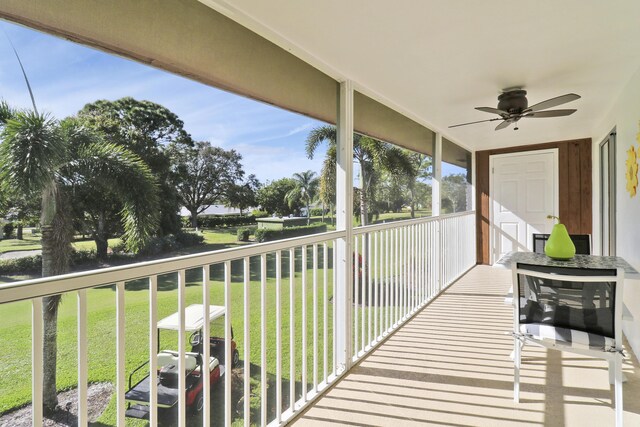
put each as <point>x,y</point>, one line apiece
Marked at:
<point>523,191</point>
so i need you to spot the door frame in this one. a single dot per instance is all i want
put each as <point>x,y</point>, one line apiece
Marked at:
<point>611,168</point>
<point>556,183</point>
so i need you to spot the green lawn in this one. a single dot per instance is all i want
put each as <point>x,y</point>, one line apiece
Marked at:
<point>28,244</point>
<point>15,377</point>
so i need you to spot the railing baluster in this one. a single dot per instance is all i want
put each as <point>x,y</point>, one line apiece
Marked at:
<point>228,358</point>
<point>120,354</point>
<point>82,358</point>
<point>263,339</point>
<point>396,257</point>
<point>292,329</point>
<point>363,298</point>
<point>333,310</point>
<point>206,348</point>
<point>247,341</point>
<point>325,314</point>
<point>278,336</point>
<point>387,306</point>
<point>304,323</point>
<point>153,350</point>
<point>369,289</point>
<point>182,337</point>
<point>315,318</point>
<point>376,285</point>
<point>356,296</point>
<point>36,361</point>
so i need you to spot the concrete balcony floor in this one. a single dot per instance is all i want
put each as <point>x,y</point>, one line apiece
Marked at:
<point>450,365</point>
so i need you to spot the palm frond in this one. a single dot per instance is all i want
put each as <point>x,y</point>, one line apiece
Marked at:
<point>130,180</point>
<point>31,151</point>
<point>317,136</point>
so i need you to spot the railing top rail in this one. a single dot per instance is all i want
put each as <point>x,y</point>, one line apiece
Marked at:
<point>45,286</point>
<point>405,222</point>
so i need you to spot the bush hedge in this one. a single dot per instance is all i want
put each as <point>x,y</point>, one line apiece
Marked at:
<point>7,230</point>
<point>268,235</point>
<point>244,233</point>
<point>171,242</point>
<point>219,221</point>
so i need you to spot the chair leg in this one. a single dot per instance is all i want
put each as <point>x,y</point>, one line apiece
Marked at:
<point>618,389</point>
<point>517,349</point>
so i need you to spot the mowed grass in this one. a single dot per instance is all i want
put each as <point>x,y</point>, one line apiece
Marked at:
<point>15,330</point>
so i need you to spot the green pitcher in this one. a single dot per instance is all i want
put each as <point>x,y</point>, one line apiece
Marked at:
<point>560,246</point>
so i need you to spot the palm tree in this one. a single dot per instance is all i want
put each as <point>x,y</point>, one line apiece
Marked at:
<point>39,155</point>
<point>370,154</point>
<point>306,190</point>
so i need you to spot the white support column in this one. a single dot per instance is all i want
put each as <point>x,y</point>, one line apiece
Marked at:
<point>435,205</point>
<point>437,176</point>
<point>344,210</point>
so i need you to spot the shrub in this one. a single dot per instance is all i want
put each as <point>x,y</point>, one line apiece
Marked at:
<point>187,239</point>
<point>225,221</point>
<point>7,229</point>
<point>244,233</point>
<point>267,235</point>
<point>30,264</point>
<point>316,212</point>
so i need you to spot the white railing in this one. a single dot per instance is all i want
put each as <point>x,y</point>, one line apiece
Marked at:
<point>401,266</point>
<point>398,268</point>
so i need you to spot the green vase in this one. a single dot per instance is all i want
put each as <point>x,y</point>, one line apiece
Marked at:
<point>559,245</point>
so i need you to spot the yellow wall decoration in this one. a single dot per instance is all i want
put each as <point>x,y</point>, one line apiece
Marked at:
<point>632,171</point>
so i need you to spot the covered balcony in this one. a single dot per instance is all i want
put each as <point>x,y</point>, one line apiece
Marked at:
<point>403,323</point>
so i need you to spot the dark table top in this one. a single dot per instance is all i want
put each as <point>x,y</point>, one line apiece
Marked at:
<point>579,261</point>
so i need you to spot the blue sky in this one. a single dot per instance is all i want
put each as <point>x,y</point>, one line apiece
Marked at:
<point>65,76</point>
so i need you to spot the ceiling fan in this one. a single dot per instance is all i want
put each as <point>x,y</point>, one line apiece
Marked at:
<point>513,106</point>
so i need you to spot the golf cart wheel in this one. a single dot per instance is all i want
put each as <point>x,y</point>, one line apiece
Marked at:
<point>236,359</point>
<point>198,404</point>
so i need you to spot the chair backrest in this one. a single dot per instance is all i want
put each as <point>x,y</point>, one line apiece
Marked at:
<point>580,299</point>
<point>582,242</point>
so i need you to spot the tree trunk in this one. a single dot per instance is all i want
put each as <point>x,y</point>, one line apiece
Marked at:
<point>194,218</point>
<point>364,217</point>
<point>101,238</point>
<point>57,233</point>
<point>50,324</point>
<point>19,232</point>
<point>50,352</point>
<point>308,214</point>
<point>413,203</point>
<point>323,212</point>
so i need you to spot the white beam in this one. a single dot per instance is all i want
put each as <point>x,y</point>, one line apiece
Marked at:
<point>344,210</point>
<point>437,176</point>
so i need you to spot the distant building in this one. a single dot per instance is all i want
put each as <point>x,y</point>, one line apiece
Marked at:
<point>215,210</point>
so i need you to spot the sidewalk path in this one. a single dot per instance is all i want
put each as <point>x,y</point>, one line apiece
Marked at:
<point>20,254</point>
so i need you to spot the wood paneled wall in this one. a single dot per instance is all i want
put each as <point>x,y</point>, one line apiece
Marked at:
<point>574,163</point>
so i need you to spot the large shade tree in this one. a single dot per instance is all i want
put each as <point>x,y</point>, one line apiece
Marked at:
<point>370,154</point>
<point>40,155</point>
<point>243,195</point>
<point>203,175</point>
<point>272,197</point>
<point>146,129</point>
<point>305,190</point>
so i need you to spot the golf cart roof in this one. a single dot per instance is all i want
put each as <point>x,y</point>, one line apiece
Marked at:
<point>193,318</point>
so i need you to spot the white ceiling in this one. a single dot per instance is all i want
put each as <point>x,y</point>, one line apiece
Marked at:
<point>437,60</point>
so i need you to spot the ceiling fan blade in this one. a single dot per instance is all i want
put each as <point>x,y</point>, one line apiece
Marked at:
<point>491,110</point>
<point>503,125</point>
<point>472,123</point>
<point>549,113</point>
<point>553,102</point>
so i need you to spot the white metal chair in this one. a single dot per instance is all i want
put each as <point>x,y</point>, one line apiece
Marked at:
<point>566,320</point>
